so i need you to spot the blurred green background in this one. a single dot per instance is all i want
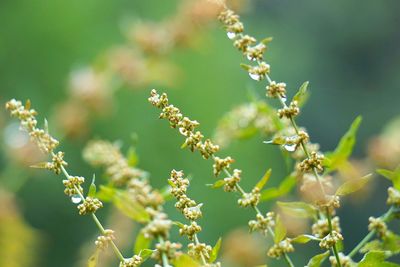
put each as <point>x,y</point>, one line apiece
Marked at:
<point>348,50</point>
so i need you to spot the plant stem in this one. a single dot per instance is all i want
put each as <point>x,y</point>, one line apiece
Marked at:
<point>117,252</point>
<point>385,217</point>
<point>334,248</point>
<point>257,210</point>
<point>203,259</point>
<point>164,256</point>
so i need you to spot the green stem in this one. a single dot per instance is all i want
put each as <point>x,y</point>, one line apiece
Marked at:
<point>203,259</point>
<point>164,256</point>
<point>334,248</point>
<point>117,252</point>
<point>385,217</point>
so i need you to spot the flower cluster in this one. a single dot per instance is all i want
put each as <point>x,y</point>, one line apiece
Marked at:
<point>159,225</point>
<point>313,162</point>
<point>103,240</point>
<point>321,227</point>
<point>262,223</point>
<point>393,196</point>
<point>103,153</point>
<point>378,225</point>
<point>73,185</point>
<point>289,111</point>
<point>231,182</point>
<point>194,139</point>
<point>89,205</point>
<point>135,261</point>
<point>168,248</point>
<point>345,261</point>
<point>330,240</point>
<point>277,250</point>
<point>250,199</point>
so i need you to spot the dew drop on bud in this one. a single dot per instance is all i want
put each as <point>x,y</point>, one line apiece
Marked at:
<point>284,98</point>
<point>255,76</point>
<point>231,35</point>
<point>290,148</point>
<point>76,199</point>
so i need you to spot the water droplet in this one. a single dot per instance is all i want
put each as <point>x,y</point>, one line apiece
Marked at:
<point>255,76</point>
<point>290,147</point>
<point>249,57</point>
<point>231,35</point>
<point>284,98</point>
<point>76,199</point>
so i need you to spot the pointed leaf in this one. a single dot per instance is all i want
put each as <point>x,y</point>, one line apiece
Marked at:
<point>145,254</point>
<point>302,94</point>
<point>215,251</point>
<point>260,185</point>
<point>245,66</point>
<point>393,176</point>
<point>298,209</point>
<point>267,40</point>
<point>376,258</point>
<point>353,185</point>
<point>92,261</point>
<point>132,157</point>
<point>106,193</point>
<point>92,187</point>
<point>141,243</point>
<point>317,260</point>
<point>217,184</point>
<point>280,230</point>
<point>40,165</point>
<point>345,146</point>
<point>186,261</point>
<point>304,239</point>
<point>130,207</point>
<point>179,224</point>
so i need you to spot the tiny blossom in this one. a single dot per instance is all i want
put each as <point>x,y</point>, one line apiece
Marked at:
<point>231,182</point>
<point>193,140</point>
<point>135,261</point>
<point>57,163</point>
<point>315,161</point>
<point>321,228</point>
<point>330,240</point>
<point>277,250</point>
<point>190,230</point>
<point>196,250</point>
<point>103,240</point>
<point>228,17</point>
<point>378,225</point>
<point>221,164</point>
<point>256,52</point>
<point>235,28</point>
<point>243,42</point>
<point>207,148</point>
<point>167,248</point>
<point>172,114</point>
<point>186,126</point>
<point>262,223</point>
<point>250,199</point>
<point>329,202</point>
<point>275,89</point>
<point>43,140</point>
<point>158,226</point>
<point>72,184</point>
<point>193,213</point>
<point>289,112</point>
<point>159,101</point>
<point>89,205</point>
<point>394,196</point>
<point>259,72</point>
<point>345,261</point>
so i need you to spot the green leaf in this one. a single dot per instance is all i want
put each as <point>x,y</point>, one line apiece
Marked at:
<point>260,185</point>
<point>132,157</point>
<point>284,188</point>
<point>145,253</point>
<point>302,94</point>
<point>40,165</point>
<point>245,66</point>
<point>92,261</point>
<point>353,185</point>
<point>130,207</point>
<point>344,148</point>
<point>376,258</point>
<point>215,251</point>
<point>317,260</point>
<point>186,261</point>
<point>280,230</point>
<point>92,187</point>
<point>302,239</point>
<point>217,184</point>
<point>141,243</point>
<point>179,224</point>
<point>106,193</point>
<point>267,40</point>
<point>298,209</point>
<point>393,176</point>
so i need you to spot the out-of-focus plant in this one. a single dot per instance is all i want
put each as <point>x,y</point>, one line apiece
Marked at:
<point>129,189</point>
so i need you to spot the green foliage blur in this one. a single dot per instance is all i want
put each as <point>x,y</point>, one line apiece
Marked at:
<point>348,50</point>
